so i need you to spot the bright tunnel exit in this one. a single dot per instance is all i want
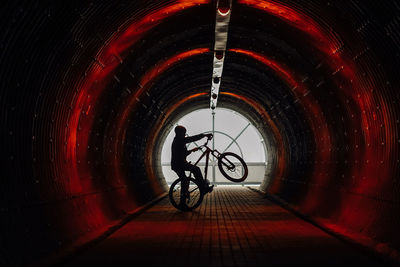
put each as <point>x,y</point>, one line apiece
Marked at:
<point>232,133</point>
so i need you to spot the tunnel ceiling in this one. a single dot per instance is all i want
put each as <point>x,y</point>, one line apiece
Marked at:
<point>90,89</point>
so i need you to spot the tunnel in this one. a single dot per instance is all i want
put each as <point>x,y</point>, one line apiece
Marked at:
<point>90,90</point>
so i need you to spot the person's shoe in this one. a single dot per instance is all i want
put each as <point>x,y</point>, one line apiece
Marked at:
<point>210,188</point>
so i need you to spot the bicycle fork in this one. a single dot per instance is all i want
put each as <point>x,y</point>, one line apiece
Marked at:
<point>206,167</point>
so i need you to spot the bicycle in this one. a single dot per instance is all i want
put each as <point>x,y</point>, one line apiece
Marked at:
<point>188,194</point>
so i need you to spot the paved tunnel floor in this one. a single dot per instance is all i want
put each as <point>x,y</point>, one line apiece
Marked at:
<point>234,226</point>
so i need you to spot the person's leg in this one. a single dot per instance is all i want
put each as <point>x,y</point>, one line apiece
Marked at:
<point>196,172</point>
<point>184,182</point>
<point>197,175</point>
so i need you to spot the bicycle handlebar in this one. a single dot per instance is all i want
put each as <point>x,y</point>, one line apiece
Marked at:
<point>208,138</point>
<point>206,143</point>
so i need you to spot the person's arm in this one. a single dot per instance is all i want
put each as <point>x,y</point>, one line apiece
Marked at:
<point>192,150</point>
<point>193,138</point>
<point>197,137</point>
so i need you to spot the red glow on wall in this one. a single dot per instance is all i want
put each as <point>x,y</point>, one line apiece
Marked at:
<point>289,15</point>
<point>74,166</point>
<point>371,140</point>
<point>97,78</point>
<point>127,110</point>
<point>313,111</point>
<point>158,69</point>
<point>371,123</point>
<point>275,66</point>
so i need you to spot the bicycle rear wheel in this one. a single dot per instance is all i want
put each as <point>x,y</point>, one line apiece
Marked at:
<point>233,167</point>
<point>185,200</point>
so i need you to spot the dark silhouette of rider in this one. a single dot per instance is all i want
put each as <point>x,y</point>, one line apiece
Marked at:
<point>180,152</point>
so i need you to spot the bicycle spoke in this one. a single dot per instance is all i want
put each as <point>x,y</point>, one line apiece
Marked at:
<point>239,171</point>
<point>236,171</point>
<point>194,189</point>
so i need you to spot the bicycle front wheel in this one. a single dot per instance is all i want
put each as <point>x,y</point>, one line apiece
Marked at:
<point>188,198</point>
<point>233,167</point>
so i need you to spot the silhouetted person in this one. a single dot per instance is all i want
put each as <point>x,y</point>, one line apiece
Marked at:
<point>179,154</point>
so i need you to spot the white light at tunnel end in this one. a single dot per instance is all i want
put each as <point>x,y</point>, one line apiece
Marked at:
<point>228,126</point>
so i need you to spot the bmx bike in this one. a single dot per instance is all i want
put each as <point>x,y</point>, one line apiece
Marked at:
<point>187,194</point>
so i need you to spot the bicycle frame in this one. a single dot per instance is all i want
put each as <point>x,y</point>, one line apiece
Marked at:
<point>206,154</point>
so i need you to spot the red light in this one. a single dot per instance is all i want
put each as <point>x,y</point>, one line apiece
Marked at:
<point>223,11</point>
<point>74,161</point>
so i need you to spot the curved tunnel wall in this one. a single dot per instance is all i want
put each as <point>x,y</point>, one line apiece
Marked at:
<point>88,88</point>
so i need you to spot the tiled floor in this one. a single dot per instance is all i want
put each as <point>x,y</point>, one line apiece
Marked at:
<point>234,226</point>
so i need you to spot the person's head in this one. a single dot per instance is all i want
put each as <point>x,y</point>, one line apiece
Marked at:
<point>180,131</point>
